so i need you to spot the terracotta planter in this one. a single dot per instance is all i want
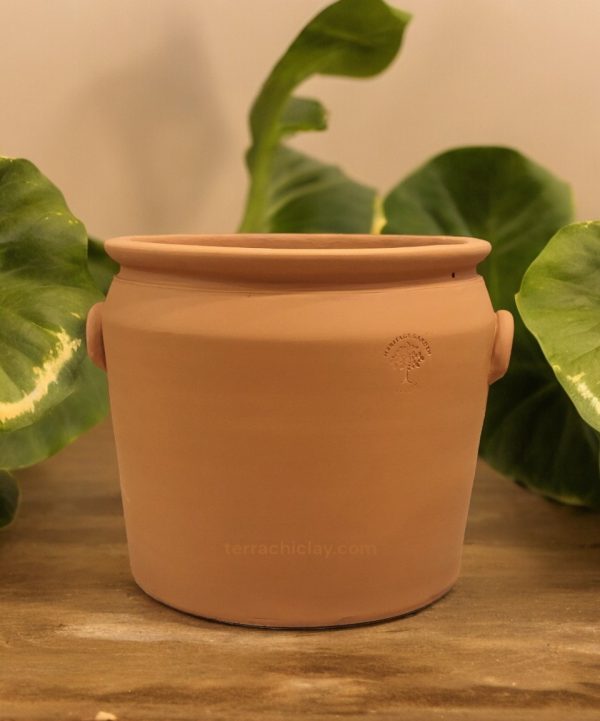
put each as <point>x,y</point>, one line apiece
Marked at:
<point>297,418</point>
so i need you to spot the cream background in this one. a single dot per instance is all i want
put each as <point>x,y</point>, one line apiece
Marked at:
<point>137,108</point>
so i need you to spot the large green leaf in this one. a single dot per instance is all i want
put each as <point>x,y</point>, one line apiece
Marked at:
<point>487,192</point>
<point>46,289</point>
<point>86,405</point>
<point>531,431</point>
<point>306,196</point>
<point>559,301</point>
<point>353,38</point>
<point>45,293</point>
<point>9,498</point>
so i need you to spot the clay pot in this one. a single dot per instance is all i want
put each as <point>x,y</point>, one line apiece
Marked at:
<point>297,418</point>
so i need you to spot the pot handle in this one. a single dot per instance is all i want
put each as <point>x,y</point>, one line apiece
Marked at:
<point>93,336</point>
<point>505,328</point>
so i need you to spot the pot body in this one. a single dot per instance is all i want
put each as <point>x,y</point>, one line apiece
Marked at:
<point>296,456</point>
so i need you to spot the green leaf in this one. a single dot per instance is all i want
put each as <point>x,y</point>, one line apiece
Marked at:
<point>492,193</point>
<point>102,267</point>
<point>306,196</point>
<point>86,405</point>
<point>531,430</point>
<point>9,498</point>
<point>559,301</point>
<point>303,114</point>
<point>352,38</point>
<point>46,289</point>
<point>533,433</point>
<point>45,293</point>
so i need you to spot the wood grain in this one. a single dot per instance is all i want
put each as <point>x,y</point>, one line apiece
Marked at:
<point>518,638</point>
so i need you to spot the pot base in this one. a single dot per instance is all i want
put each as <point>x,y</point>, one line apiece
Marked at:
<point>349,622</point>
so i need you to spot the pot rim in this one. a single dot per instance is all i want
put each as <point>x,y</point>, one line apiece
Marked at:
<point>299,257</point>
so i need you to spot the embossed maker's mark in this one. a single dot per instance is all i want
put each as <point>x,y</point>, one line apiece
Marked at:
<point>406,353</point>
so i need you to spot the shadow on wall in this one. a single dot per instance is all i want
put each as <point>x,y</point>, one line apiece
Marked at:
<point>150,137</point>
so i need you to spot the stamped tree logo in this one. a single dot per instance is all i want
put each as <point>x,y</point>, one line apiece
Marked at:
<point>407,353</point>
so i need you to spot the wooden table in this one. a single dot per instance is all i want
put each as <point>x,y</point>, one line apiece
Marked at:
<point>518,638</point>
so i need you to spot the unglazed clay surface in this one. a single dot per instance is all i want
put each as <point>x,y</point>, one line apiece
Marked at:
<point>297,418</point>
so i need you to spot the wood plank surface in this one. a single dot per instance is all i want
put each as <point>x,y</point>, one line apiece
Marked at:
<point>518,638</point>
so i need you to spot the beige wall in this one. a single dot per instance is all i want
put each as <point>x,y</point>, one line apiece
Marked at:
<point>137,108</point>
